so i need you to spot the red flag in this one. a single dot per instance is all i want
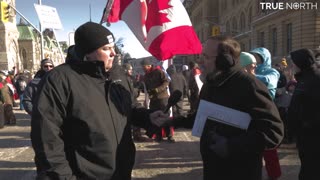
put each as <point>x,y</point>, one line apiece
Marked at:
<point>163,27</point>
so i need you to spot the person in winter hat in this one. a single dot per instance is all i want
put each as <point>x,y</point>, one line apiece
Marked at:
<point>84,111</point>
<point>270,77</point>
<point>248,62</point>
<point>303,59</point>
<point>46,65</point>
<point>304,114</point>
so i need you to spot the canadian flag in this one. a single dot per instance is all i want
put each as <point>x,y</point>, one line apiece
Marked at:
<point>163,27</point>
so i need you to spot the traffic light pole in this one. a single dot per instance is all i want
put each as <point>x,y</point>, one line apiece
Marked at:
<point>25,18</point>
<point>39,31</point>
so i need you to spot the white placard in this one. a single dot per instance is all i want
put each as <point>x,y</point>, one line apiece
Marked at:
<point>48,17</point>
<point>221,114</point>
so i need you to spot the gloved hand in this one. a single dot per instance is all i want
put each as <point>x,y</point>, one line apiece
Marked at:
<point>219,145</point>
<point>153,92</point>
<point>159,118</point>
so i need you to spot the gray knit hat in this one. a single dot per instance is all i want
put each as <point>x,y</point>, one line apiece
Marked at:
<point>45,61</point>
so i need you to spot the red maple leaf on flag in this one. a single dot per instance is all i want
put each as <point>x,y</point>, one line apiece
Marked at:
<point>155,17</point>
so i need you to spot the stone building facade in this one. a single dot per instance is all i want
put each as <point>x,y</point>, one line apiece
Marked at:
<point>9,48</point>
<point>30,48</point>
<point>280,31</point>
<point>20,45</point>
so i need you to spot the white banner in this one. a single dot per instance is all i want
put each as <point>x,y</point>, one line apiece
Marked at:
<point>48,17</point>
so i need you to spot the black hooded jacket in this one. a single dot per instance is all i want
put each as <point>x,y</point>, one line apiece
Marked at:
<point>31,90</point>
<point>303,113</point>
<point>84,116</point>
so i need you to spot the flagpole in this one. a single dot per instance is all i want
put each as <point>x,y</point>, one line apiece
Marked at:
<point>90,11</point>
<point>106,11</point>
<point>41,36</point>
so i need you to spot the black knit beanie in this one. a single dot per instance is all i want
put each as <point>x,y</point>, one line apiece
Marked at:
<point>303,58</point>
<point>91,36</point>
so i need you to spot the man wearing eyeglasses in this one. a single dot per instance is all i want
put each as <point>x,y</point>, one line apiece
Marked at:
<point>31,89</point>
<point>230,153</point>
<point>28,97</point>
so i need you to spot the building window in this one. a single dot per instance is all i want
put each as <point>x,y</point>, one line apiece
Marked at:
<point>242,22</point>
<point>24,58</point>
<point>228,27</point>
<point>243,47</point>
<point>289,38</point>
<point>261,39</point>
<point>234,26</point>
<point>274,42</point>
<point>249,17</point>
<point>24,53</point>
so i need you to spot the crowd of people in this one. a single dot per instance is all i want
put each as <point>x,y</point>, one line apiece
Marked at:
<point>85,116</point>
<point>12,87</point>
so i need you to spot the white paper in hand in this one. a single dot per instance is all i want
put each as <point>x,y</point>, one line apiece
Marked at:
<point>221,114</point>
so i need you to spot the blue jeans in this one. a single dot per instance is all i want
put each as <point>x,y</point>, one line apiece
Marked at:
<point>21,98</point>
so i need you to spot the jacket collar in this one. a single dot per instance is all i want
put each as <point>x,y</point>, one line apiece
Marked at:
<point>219,78</point>
<point>92,68</point>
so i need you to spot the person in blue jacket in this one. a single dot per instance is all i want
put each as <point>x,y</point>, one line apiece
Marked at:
<point>270,77</point>
<point>264,72</point>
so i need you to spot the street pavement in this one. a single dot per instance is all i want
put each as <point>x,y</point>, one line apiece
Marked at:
<point>156,161</point>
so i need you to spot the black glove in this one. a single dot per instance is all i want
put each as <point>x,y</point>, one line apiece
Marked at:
<point>219,145</point>
<point>153,92</point>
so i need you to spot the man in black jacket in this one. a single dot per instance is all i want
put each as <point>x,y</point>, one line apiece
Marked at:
<point>31,89</point>
<point>304,115</point>
<point>230,153</point>
<point>84,113</point>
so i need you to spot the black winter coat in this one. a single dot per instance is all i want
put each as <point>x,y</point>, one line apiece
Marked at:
<point>84,116</point>
<point>304,114</point>
<point>31,90</point>
<point>241,91</point>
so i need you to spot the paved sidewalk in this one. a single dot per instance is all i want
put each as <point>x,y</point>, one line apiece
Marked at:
<point>154,161</point>
<point>182,160</point>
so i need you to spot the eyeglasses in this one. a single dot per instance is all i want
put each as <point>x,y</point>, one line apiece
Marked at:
<point>48,66</point>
